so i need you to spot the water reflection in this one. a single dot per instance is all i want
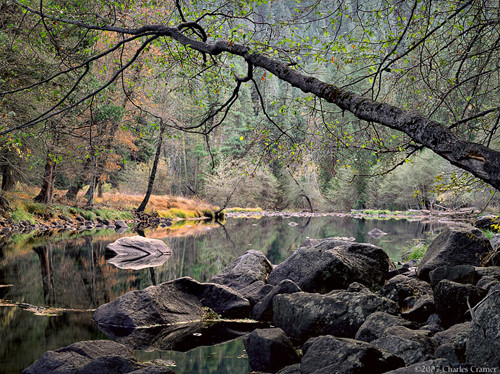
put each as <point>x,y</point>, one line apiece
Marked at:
<point>70,270</point>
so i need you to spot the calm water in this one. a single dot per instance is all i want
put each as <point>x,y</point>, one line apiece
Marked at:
<point>69,270</point>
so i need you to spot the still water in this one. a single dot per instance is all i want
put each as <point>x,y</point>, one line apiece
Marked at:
<point>70,271</point>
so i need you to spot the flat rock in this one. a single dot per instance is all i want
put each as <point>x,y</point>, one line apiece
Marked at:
<point>251,267</point>
<point>455,246</point>
<point>333,264</point>
<point>458,273</point>
<point>302,315</point>
<point>329,354</point>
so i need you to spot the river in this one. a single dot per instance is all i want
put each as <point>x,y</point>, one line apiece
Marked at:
<point>69,271</point>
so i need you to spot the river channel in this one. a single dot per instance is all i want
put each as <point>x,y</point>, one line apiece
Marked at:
<point>69,272</point>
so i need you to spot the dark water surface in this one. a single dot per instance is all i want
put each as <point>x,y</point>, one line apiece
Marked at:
<point>69,270</point>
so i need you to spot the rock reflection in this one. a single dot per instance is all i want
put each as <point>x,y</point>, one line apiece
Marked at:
<point>180,337</point>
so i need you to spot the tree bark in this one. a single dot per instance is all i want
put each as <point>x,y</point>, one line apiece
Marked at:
<point>45,195</point>
<point>8,179</point>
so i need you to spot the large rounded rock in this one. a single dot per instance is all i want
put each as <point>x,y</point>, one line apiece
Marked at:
<point>270,350</point>
<point>251,267</point>
<point>483,346</point>
<point>328,354</point>
<point>452,342</point>
<point>333,264</point>
<point>137,252</point>
<point>180,300</point>
<point>451,301</point>
<point>456,246</point>
<point>302,315</point>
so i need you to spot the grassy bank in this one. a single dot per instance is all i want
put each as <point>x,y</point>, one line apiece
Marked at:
<point>112,206</point>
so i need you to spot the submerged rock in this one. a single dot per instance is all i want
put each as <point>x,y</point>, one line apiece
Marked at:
<point>333,264</point>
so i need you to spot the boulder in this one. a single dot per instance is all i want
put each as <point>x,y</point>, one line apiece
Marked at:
<point>414,297</point>
<point>452,342</point>
<point>495,242</point>
<point>97,356</point>
<point>451,301</point>
<point>251,267</point>
<point>263,310</point>
<point>483,346</point>
<point>411,345</point>
<point>333,264</point>
<point>269,350</point>
<point>180,300</point>
<point>255,292</point>
<point>302,315</point>
<point>488,277</point>
<point>458,273</point>
<point>292,369</point>
<point>137,252</point>
<point>328,354</point>
<point>120,224</point>
<point>376,324</point>
<point>455,246</point>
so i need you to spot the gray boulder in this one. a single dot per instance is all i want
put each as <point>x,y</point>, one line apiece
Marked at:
<point>256,291</point>
<point>97,356</point>
<point>411,345</point>
<point>328,354</point>
<point>455,246</point>
<point>483,346</point>
<point>451,301</point>
<point>270,350</point>
<point>376,324</point>
<point>495,242</point>
<point>458,273</point>
<point>452,342</point>
<point>137,252</point>
<point>263,310</point>
<point>302,315</point>
<point>251,267</point>
<point>414,297</point>
<point>180,300</point>
<point>333,264</point>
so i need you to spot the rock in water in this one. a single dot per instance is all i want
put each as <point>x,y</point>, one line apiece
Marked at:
<point>456,246</point>
<point>333,264</point>
<point>269,350</point>
<point>251,267</point>
<point>180,300</point>
<point>137,252</point>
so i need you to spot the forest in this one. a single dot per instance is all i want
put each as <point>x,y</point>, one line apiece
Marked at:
<point>299,104</point>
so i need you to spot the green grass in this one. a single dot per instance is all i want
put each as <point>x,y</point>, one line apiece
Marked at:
<point>238,210</point>
<point>418,252</point>
<point>19,214</point>
<point>488,233</point>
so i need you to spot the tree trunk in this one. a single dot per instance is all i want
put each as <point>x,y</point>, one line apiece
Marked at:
<point>45,195</point>
<point>8,179</point>
<point>152,176</point>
